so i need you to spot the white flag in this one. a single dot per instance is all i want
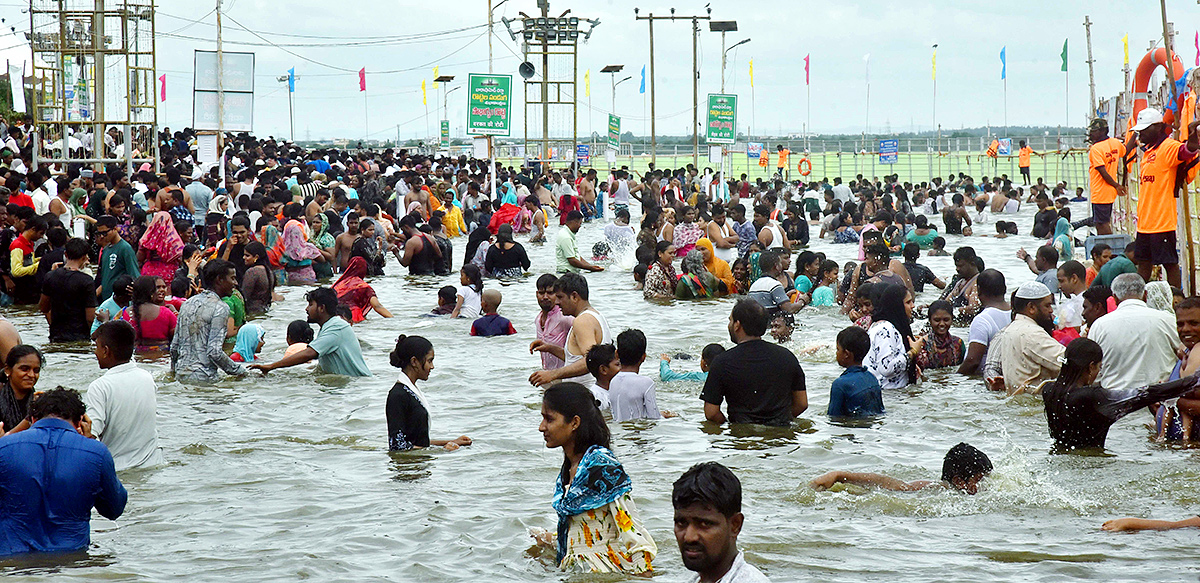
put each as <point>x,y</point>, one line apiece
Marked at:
<point>16,79</point>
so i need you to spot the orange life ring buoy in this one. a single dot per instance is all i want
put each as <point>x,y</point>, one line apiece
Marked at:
<point>1141,82</point>
<point>804,167</point>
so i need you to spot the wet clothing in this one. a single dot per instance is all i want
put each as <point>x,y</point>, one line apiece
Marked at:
<point>757,378</point>
<point>1081,416</point>
<point>407,416</point>
<point>855,394</point>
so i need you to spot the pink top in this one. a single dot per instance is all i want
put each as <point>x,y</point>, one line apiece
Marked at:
<point>554,331</point>
<point>156,331</point>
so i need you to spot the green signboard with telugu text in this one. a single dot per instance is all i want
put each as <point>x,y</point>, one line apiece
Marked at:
<point>614,131</point>
<point>722,119</point>
<point>445,133</point>
<point>488,100</point>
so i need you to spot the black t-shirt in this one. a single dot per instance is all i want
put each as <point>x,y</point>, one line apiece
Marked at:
<point>48,259</point>
<point>920,275</point>
<point>237,256</point>
<point>499,259</point>
<point>71,293</point>
<point>1043,222</point>
<point>756,378</point>
<point>407,420</point>
<point>796,230</point>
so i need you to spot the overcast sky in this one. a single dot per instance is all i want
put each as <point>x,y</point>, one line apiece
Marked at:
<point>898,36</point>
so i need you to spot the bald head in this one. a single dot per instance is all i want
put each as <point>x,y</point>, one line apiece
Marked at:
<point>490,300</point>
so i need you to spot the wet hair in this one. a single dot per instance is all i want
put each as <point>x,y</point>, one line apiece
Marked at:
<point>599,355</point>
<point>865,291</point>
<point>119,337</point>
<point>474,276</point>
<point>887,303</point>
<point>323,297</point>
<point>708,484</point>
<point>547,281</point>
<point>856,341</point>
<point>631,346</point>
<point>1048,254</point>
<point>575,400</point>
<point>407,348</point>
<point>449,294</point>
<point>751,315</point>
<point>120,289</point>
<point>1099,293</point>
<point>1080,354</point>
<point>661,248</point>
<point>572,283</point>
<point>300,331</point>
<point>711,351</point>
<point>940,306</point>
<point>58,402</point>
<point>57,237</point>
<point>1074,268</point>
<point>21,351</point>
<point>76,249</point>
<point>991,283</point>
<point>912,251</point>
<point>964,462</point>
<point>214,270</point>
<point>144,288</point>
<point>804,259</point>
<point>1099,248</point>
<point>939,243</point>
<point>964,254</point>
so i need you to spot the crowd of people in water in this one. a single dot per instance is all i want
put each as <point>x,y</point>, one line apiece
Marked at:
<point>179,263</point>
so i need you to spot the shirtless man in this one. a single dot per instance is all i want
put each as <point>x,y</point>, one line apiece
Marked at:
<point>343,242</point>
<point>317,205</point>
<point>722,235</point>
<point>418,193</point>
<point>588,330</point>
<point>587,191</point>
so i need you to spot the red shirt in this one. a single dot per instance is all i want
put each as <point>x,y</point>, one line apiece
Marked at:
<point>20,198</point>
<point>566,204</point>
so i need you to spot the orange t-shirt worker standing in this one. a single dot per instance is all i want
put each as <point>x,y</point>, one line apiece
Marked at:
<point>1156,212</point>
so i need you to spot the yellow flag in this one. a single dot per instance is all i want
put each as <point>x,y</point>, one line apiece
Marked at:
<point>435,76</point>
<point>423,102</point>
<point>1125,41</point>
<point>935,64</point>
<point>751,73</point>
<point>587,82</point>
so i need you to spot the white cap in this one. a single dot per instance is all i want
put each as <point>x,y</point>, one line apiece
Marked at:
<point>1034,290</point>
<point>1146,118</point>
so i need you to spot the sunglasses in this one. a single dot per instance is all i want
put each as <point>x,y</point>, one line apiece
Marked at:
<point>100,233</point>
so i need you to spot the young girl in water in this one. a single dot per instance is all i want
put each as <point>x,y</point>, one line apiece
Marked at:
<point>250,340</point>
<point>824,294</point>
<point>299,334</point>
<point>599,529</point>
<point>469,293</point>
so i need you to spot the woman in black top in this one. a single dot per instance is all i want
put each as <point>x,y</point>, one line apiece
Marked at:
<point>506,258</point>
<point>22,368</point>
<point>1080,413</point>
<point>407,409</point>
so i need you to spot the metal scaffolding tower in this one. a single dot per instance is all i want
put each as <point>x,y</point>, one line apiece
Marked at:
<point>94,81</point>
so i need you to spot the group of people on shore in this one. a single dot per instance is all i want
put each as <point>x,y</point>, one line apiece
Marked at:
<point>184,261</point>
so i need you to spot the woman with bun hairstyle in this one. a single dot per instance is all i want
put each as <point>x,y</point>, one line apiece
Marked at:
<point>407,408</point>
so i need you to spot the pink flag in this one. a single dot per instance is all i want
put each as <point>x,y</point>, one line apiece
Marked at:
<point>162,91</point>
<point>1198,48</point>
<point>806,69</point>
<point>362,79</point>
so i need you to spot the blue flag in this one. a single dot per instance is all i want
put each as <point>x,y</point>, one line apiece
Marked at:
<point>643,89</point>
<point>1003,64</point>
<point>292,80</point>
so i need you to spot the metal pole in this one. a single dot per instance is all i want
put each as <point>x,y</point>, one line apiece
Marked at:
<point>291,114</point>
<point>220,88</point>
<point>696,92</point>
<point>545,88</point>
<point>722,61</point>
<point>489,33</point>
<point>491,156</point>
<point>653,132</point>
<point>1170,60</point>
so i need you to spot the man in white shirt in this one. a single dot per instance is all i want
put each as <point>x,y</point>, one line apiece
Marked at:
<point>1072,281</point>
<point>708,518</point>
<point>121,404</point>
<point>841,191</point>
<point>1139,343</point>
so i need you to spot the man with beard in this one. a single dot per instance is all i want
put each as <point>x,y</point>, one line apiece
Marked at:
<point>1028,354</point>
<point>588,329</point>
<point>1139,342</point>
<point>335,348</point>
<point>708,518</point>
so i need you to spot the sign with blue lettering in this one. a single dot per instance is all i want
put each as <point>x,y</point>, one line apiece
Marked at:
<point>583,153</point>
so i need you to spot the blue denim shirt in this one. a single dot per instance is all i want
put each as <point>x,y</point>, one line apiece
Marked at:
<point>50,478</point>
<point>855,394</point>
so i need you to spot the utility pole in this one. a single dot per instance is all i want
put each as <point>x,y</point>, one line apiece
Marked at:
<point>220,94</point>
<point>1087,25</point>
<point>650,18</point>
<point>1170,64</point>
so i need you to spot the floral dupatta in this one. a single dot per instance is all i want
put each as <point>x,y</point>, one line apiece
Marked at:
<point>599,480</point>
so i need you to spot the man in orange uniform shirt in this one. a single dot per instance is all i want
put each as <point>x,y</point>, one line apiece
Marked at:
<point>1163,159</point>
<point>1023,161</point>
<point>1103,159</point>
